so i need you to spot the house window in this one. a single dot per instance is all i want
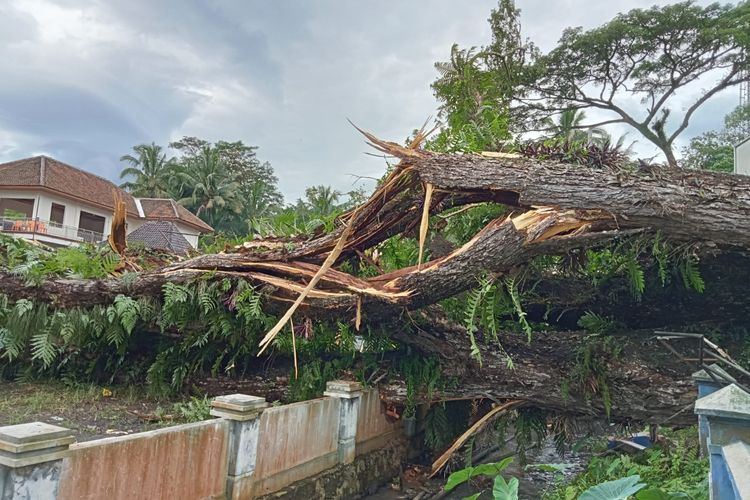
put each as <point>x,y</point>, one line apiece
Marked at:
<point>91,227</point>
<point>57,214</point>
<point>16,208</point>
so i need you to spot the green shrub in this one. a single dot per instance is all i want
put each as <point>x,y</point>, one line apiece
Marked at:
<point>677,468</point>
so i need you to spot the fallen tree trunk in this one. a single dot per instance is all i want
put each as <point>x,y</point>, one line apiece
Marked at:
<point>558,208</point>
<point>585,207</point>
<point>645,382</point>
<point>686,205</point>
<point>411,287</point>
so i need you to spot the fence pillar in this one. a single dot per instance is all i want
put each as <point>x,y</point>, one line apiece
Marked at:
<point>30,460</point>
<point>708,385</point>
<point>242,412</point>
<point>728,415</point>
<point>350,396</point>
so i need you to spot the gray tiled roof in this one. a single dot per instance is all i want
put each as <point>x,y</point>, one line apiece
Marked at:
<point>161,235</point>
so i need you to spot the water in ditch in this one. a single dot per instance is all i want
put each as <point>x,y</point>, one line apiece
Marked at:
<point>532,482</point>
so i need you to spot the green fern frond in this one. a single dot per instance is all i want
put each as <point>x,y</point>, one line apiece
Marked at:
<point>473,301</point>
<point>22,307</point>
<point>127,310</point>
<point>636,277</point>
<point>44,348</point>
<point>691,276</point>
<point>515,297</point>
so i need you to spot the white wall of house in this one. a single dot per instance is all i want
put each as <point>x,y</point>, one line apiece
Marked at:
<point>742,157</point>
<point>42,209</point>
<point>190,233</point>
<point>133,224</point>
<point>67,234</point>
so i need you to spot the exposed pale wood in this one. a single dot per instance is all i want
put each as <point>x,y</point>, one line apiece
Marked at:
<point>477,426</point>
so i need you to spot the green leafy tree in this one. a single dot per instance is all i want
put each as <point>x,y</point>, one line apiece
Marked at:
<point>476,86</point>
<point>256,185</point>
<point>646,55</point>
<point>151,171</point>
<point>257,182</point>
<point>211,190</point>
<point>714,150</point>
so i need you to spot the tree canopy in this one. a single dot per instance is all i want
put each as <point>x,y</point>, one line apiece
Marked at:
<point>224,183</point>
<point>645,55</point>
<point>150,170</point>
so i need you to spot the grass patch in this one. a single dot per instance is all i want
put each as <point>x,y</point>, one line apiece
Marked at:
<point>92,411</point>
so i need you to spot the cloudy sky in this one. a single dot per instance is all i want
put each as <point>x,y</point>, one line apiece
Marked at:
<point>84,80</point>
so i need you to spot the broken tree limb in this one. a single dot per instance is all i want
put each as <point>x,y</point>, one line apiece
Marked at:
<point>687,205</point>
<point>337,291</point>
<point>646,383</point>
<point>476,427</point>
<point>558,208</point>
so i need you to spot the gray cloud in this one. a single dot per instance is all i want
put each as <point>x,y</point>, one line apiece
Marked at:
<point>84,80</point>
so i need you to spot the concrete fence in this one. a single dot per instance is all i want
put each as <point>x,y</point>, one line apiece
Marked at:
<point>724,431</point>
<point>332,447</point>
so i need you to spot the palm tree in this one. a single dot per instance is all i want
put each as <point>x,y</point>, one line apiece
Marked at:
<point>211,191</point>
<point>569,127</point>
<point>606,138</point>
<point>322,200</point>
<point>151,170</point>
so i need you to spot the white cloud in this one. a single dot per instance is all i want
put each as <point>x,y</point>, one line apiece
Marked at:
<point>87,79</point>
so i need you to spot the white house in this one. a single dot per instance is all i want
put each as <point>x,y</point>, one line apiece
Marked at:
<point>52,202</point>
<point>742,157</point>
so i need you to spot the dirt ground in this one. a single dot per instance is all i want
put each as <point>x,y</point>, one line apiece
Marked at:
<point>93,411</point>
<point>90,411</point>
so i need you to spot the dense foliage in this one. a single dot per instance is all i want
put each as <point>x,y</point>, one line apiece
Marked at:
<point>672,466</point>
<point>226,185</point>
<point>646,55</point>
<point>212,325</point>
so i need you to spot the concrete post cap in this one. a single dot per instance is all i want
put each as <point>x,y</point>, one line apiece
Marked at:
<point>238,406</point>
<point>703,376</point>
<point>33,443</point>
<point>346,389</point>
<point>728,402</point>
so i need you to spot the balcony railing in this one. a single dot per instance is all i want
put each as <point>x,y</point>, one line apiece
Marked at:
<point>48,228</point>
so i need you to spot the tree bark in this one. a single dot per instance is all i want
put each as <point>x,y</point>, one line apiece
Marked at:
<point>586,207</point>
<point>646,382</point>
<point>686,205</point>
<point>558,208</point>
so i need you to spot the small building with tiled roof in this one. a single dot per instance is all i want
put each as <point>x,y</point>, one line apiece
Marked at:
<point>162,235</point>
<point>166,209</point>
<point>55,203</point>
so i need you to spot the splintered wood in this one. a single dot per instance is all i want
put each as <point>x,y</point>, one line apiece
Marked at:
<point>543,223</point>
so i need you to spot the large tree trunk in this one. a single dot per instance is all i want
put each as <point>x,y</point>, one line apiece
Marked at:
<point>646,382</point>
<point>584,207</point>
<point>558,208</point>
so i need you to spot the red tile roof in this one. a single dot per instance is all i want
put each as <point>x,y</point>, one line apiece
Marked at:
<point>73,183</point>
<point>65,180</point>
<point>168,209</point>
